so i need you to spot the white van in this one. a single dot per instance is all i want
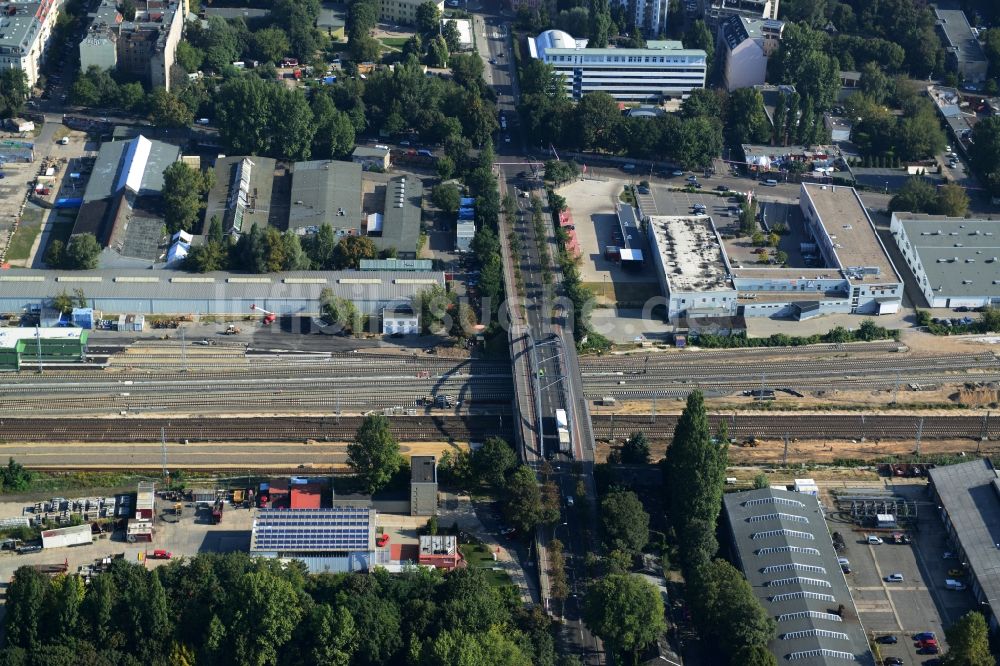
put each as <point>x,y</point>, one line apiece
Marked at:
<point>874,540</point>
<point>771,182</point>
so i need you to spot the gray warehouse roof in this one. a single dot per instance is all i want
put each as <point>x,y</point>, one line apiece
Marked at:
<point>369,151</point>
<point>959,256</point>
<point>959,35</point>
<point>138,164</point>
<point>423,469</point>
<point>225,200</point>
<point>401,221</point>
<point>177,292</point>
<point>326,191</point>
<point>970,495</point>
<point>787,555</point>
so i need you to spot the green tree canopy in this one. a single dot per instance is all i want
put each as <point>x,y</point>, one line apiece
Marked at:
<point>183,192</point>
<point>374,453</point>
<point>968,642</point>
<point>351,250</point>
<point>493,460</point>
<point>625,611</point>
<point>625,522</point>
<point>523,506</point>
<point>635,451</point>
<point>82,253</point>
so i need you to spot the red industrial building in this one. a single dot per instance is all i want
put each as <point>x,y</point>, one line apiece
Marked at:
<point>440,552</point>
<point>295,493</point>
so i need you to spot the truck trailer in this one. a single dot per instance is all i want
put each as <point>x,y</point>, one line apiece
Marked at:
<point>562,426</point>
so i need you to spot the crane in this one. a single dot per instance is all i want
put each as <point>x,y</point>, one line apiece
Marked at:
<point>269,317</point>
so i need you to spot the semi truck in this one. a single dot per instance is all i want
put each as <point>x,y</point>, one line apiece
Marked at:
<point>562,426</point>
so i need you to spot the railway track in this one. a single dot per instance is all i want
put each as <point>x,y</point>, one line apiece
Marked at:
<point>278,429</point>
<point>811,426</point>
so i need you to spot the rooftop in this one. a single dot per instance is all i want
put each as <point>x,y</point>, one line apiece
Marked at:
<point>960,257</point>
<point>19,30</point>
<point>771,94</point>
<point>438,545</point>
<point>341,529</point>
<point>9,337</point>
<point>326,191</point>
<point>959,36</point>
<point>370,151</point>
<point>564,43</point>
<point>137,164</point>
<point>241,195</point>
<point>785,552</point>
<point>423,469</point>
<point>736,29</point>
<point>969,493</point>
<point>691,253</point>
<point>396,264</point>
<point>857,245</point>
<point>181,286</point>
<point>401,220</point>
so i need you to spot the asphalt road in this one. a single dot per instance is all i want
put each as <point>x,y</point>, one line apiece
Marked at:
<point>557,382</point>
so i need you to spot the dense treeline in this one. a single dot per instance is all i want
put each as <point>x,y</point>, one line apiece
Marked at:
<point>232,609</point>
<point>732,623</point>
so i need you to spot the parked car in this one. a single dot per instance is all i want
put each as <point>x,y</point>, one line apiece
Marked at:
<point>160,555</point>
<point>888,639</point>
<point>894,578</point>
<point>874,540</point>
<point>382,540</point>
<point>721,188</point>
<point>892,661</point>
<point>692,179</point>
<point>924,636</point>
<point>677,173</point>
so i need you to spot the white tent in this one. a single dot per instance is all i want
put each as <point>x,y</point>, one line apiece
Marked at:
<point>183,237</point>
<point>178,251</point>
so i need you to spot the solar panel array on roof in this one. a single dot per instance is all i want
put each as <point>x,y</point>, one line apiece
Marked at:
<point>340,529</point>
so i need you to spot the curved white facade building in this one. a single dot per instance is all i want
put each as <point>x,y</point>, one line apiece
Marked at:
<point>661,70</point>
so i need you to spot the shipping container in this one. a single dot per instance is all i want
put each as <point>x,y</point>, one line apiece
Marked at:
<point>67,536</point>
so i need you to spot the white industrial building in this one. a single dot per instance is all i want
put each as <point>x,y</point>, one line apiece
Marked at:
<point>77,535</point>
<point>465,231</point>
<point>955,261</point>
<point>400,319</point>
<point>745,45</point>
<point>663,69</point>
<point>25,33</point>
<point>692,266</point>
<point>700,280</point>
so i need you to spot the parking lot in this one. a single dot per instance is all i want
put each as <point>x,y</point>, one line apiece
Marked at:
<point>920,602</point>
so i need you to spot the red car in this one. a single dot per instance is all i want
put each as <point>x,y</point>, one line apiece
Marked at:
<point>382,540</point>
<point>930,642</point>
<point>160,555</point>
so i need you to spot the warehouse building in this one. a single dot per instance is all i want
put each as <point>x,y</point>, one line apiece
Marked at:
<point>173,292</point>
<point>399,227</point>
<point>122,205</point>
<point>412,265</point>
<point>781,543</point>
<point>961,45</point>
<point>968,497</point>
<point>241,195</point>
<point>77,535</point>
<point>31,346</point>
<point>336,540</point>
<point>692,266</point>
<point>326,192</point>
<point>664,69</point>
<point>955,261</point>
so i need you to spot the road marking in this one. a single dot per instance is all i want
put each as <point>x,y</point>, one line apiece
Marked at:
<point>888,593</point>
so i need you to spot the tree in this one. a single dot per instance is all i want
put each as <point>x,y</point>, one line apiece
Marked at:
<point>635,451</point>
<point>206,258</point>
<point>695,471</point>
<point>452,37</point>
<point>698,36</point>
<point>14,90</point>
<point>951,200</point>
<point>726,609</point>
<point>755,655</point>
<point>456,648</point>
<point>132,96</point>
<point>748,122</point>
<point>493,460</point>
<point>968,642</point>
<point>25,599</point>
<point>62,302</point>
<point>167,110</point>
<point>760,481</point>
<point>624,521</point>
<point>985,152</point>
<point>339,312</point>
<point>266,612</point>
<point>374,453</point>
<point>128,9</point>
<point>523,506</point>
<point>445,167</point>
<point>334,137</point>
<point>351,250</point>
<point>446,197</point>
<point>428,18</point>
<point>558,172</point>
<point>54,254</point>
<point>916,196</point>
<point>600,24</point>
<point>597,120</point>
<point>183,190</point>
<point>293,129</point>
<point>704,102</point>
<point>270,44</point>
<point>625,611</point>
<point>82,253</point>
<point>330,636</point>
<point>875,82</point>
<point>189,57</point>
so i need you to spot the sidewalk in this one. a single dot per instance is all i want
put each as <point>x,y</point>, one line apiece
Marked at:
<point>459,509</point>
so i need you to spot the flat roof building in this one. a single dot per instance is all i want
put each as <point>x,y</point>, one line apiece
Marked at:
<point>440,552</point>
<point>396,265</point>
<point>339,539</point>
<point>962,46</point>
<point>663,69</point>
<point>717,11</point>
<point>143,291</point>
<point>241,195</point>
<point>968,497</point>
<point>403,11</point>
<point>781,543</point>
<point>464,32</point>
<point>401,220</point>
<point>371,157</point>
<point>956,261</point>
<point>746,44</point>
<point>423,486</point>
<point>836,219</point>
<point>326,192</point>
<point>692,267</point>
<point>25,34</point>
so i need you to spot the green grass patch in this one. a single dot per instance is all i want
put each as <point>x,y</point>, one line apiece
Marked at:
<point>625,294</point>
<point>479,556</point>
<point>24,238</point>
<point>394,42</point>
